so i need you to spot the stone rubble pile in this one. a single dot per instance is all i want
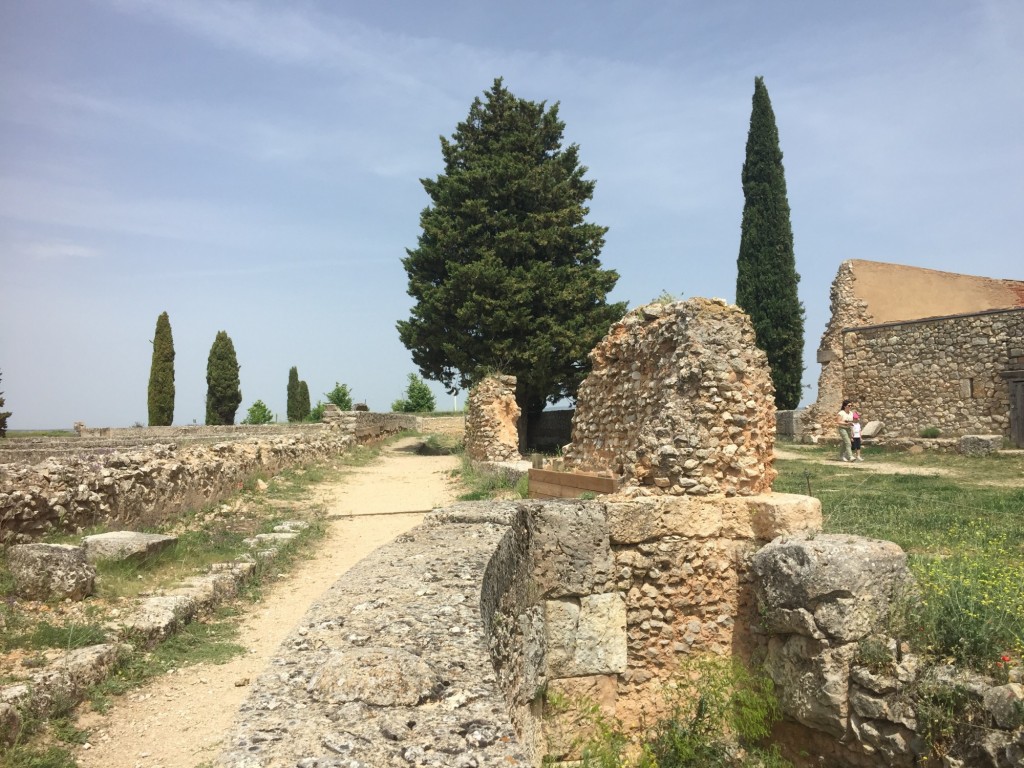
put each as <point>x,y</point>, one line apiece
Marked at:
<point>679,402</point>
<point>850,692</point>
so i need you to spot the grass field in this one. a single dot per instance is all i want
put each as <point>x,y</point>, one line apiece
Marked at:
<point>960,519</point>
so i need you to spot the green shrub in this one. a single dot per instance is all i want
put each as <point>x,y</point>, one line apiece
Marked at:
<point>930,432</point>
<point>258,413</point>
<point>418,397</point>
<point>316,413</point>
<point>491,482</point>
<point>340,396</point>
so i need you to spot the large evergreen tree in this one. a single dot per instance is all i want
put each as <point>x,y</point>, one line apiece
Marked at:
<point>766,280</point>
<point>4,415</point>
<point>304,402</point>
<point>506,275</point>
<point>223,390</point>
<point>292,407</point>
<point>161,375</point>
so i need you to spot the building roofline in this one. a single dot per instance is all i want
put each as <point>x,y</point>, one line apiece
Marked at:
<point>919,320</point>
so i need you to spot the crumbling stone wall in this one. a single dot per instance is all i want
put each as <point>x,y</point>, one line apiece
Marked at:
<point>868,293</point>
<point>942,372</point>
<point>140,486</point>
<point>680,402</point>
<point>492,416</point>
<point>847,310</point>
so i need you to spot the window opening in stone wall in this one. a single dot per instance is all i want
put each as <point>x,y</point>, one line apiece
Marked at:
<point>967,388</point>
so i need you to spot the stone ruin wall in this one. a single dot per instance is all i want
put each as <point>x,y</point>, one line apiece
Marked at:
<point>603,598</point>
<point>942,373</point>
<point>867,293</point>
<point>598,601</point>
<point>680,402</point>
<point>847,310</point>
<point>140,486</point>
<point>492,416</point>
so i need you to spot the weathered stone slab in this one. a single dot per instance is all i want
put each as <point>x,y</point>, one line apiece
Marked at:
<point>380,677</point>
<point>765,517</point>
<point>586,637</point>
<point>125,545</point>
<point>414,603</point>
<point>159,616</point>
<point>811,680</point>
<point>648,519</point>
<point>291,526</point>
<point>783,514</point>
<point>846,582</point>
<point>573,553</point>
<point>65,681</point>
<point>265,539</point>
<point>50,571</point>
<point>980,445</point>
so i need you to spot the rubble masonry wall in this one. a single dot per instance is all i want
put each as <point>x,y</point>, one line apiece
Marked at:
<point>139,487</point>
<point>940,373</point>
<point>679,402</point>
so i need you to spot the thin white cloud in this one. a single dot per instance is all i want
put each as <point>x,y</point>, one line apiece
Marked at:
<point>51,250</point>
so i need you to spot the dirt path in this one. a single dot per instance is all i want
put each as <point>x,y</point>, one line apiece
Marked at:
<point>868,465</point>
<point>179,719</point>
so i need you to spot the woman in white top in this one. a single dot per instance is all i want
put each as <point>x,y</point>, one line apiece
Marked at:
<point>844,420</point>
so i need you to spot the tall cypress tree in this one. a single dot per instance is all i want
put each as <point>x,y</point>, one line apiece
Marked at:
<point>766,280</point>
<point>304,402</point>
<point>506,276</point>
<point>223,390</point>
<point>161,375</point>
<point>293,408</point>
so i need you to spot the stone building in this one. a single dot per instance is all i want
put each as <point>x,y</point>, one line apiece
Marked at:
<point>919,348</point>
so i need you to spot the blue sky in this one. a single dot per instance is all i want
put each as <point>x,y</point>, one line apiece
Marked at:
<point>254,167</point>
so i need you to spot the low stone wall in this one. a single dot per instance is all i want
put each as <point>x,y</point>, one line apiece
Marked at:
<point>492,418</point>
<point>789,424</point>
<point>98,442</point>
<point>139,487</point>
<point>596,603</point>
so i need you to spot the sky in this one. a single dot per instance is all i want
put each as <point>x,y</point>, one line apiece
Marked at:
<point>253,166</point>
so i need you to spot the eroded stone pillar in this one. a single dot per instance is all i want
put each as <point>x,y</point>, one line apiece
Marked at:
<point>492,416</point>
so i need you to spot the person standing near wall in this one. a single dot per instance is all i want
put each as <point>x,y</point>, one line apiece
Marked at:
<point>844,421</point>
